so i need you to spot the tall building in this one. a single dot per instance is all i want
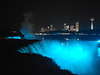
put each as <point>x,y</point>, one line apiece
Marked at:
<point>48,28</point>
<point>77,26</point>
<point>72,28</point>
<point>66,27</point>
<point>51,27</point>
<point>42,29</point>
<point>92,19</point>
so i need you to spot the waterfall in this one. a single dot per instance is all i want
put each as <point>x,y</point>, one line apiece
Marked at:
<point>75,56</point>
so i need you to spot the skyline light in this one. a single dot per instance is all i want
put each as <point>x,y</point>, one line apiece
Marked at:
<point>92,19</point>
<point>45,14</point>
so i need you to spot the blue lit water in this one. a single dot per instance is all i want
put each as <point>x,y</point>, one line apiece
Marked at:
<point>77,56</point>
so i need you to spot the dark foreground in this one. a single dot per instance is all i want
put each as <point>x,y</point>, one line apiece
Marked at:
<point>14,63</point>
<point>26,64</point>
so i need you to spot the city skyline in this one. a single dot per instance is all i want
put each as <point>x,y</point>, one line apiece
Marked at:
<point>66,27</point>
<point>74,27</point>
<point>50,13</point>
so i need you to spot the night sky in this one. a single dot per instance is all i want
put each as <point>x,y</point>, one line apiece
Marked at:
<point>50,12</point>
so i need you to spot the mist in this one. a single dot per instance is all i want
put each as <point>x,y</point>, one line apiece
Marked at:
<point>27,27</point>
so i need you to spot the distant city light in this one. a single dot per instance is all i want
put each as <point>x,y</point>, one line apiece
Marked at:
<point>92,19</point>
<point>64,23</point>
<point>48,27</point>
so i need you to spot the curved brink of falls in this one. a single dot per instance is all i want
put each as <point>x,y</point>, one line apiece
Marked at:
<point>76,56</point>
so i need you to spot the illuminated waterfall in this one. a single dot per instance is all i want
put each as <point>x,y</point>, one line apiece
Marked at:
<point>76,56</point>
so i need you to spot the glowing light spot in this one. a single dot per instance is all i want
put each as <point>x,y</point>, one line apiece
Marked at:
<point>77,39</point>
<point>99,41</point>
<point>66,39</point>
<point>14,37</point>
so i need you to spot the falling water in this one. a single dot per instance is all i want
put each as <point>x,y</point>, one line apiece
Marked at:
<point>76,56</point>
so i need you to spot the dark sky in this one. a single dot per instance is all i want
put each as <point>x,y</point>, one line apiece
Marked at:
<point>50,12</point>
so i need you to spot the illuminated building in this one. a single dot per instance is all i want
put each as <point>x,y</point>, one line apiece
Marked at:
<point>92,19</point>
<point>77,26</point>
<point>72,28</point>
<point>64,24</point>
<point>48,28</point>
<point>42,29</point>
<point>51,28</point>
<point>66,27</point>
